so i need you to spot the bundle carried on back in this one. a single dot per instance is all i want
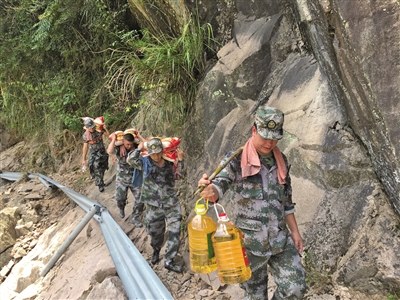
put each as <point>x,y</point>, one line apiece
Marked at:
<point>120,135</point>
<point>91,126</point>
<point>99,122</point>
<point>170,148</point>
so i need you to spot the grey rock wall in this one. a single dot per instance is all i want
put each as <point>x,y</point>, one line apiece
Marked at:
<point>369,58</point>
<point>357,44</point>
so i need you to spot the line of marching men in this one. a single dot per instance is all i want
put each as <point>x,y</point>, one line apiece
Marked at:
<point>148,167</point>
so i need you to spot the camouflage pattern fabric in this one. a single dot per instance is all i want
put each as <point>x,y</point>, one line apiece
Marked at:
<point>97,158</point>
<point>123,183</point>
<point>121,195</point>
<point>156,219</point>
<point>158,187</point>
<point>286,269</point>
<point>138,208</point>
<point>261,209</point>
<point>269,122</point>
<point>162,204</point>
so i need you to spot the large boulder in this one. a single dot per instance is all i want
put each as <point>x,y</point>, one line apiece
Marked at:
<point>9,217</point>
<point>356,46</point>
<point>110,288</point>
<point>367,49</point>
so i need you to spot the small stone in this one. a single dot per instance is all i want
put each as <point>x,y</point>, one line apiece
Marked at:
<point>33,196</point>
<point>20,252</point>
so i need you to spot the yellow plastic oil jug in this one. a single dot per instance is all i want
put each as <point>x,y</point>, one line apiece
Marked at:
<point>232,262</point>
<point>200,229</point>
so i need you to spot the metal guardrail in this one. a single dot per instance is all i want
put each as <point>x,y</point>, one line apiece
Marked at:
<point>138,278</point>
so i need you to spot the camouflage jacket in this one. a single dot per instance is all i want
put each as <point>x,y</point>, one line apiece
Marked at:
<point>261,204</point>
<point>158,187</point>
<point>125,172</point>
<point>95,141</point>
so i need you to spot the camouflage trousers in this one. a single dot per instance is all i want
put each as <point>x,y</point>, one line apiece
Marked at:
<point>286,269</point>
<point>156,220</point>
<point>98,164</point>
<point>121,195</point>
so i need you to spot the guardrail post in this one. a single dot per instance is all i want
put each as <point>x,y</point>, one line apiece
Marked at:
<point>70,239</point>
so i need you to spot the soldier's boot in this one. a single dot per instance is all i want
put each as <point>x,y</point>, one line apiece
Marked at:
<point>137,215</point>
<point>101,184</point>
<point>156,256</point>
<point>91,171</point>
<point>173,266</point>
<point>122,212</point>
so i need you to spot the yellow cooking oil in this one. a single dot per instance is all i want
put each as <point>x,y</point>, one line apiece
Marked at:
<point>200,230</point>
<point>232,262</point>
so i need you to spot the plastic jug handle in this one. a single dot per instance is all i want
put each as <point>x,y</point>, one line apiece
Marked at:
<point>205,202</point>
<point>199,208</point>
<point>216,209</point>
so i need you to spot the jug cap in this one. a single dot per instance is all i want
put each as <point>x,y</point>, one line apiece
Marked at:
<point>223,217</point>
<point>200,209</point>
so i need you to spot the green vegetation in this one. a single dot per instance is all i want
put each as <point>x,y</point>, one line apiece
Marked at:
<point>64,59</point>
<point>164,71</point>
<point>395,295</point>
<point>52,64</point>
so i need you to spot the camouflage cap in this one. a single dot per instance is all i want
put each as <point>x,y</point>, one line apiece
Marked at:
<point>154,146</point>
<point>269,122</point>
<point>89,123</point>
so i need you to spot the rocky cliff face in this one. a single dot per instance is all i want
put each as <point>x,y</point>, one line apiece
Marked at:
<point>357,45</point>
<point>333,68</point>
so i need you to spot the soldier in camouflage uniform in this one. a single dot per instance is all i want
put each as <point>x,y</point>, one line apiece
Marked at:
<point>159,196</point>
<point>264,210</point>
<point>98,157</point>
<point>127,177</point>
